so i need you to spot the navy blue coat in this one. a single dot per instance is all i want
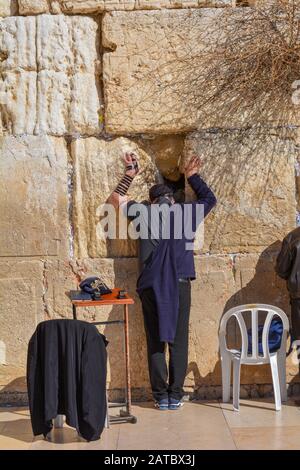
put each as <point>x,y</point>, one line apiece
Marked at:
<point>172,260</point>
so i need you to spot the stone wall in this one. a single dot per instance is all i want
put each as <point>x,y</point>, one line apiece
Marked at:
<point>75,93</point>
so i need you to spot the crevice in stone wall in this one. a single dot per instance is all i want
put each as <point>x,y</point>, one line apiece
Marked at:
<point>36,76</point>
<point>104,47</point>
<point>233,265</point>
<point>70,190</point>
<point>49,4</point>
<point>14,8</point>
<point>45,290</point>
<point>99,78</point>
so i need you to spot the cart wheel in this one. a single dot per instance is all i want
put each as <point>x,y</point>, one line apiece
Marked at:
<point>133,420</point>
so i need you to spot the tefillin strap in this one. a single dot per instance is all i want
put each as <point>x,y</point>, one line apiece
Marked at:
<point>124,184</point>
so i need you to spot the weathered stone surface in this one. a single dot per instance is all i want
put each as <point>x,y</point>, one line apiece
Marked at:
<point>60,278</point>
<point>85,112</point>
<point>67,105</point>
<point>10,374</point>
<point>18,75</point>
<point>67,44</point>
<point>17,102</point>
<point>253,179</point>
<point>90,6</point>
<point>8,7</point>
<point>167,152</point>
<point>145,83</point>
<point>50,75</point>
<point>31,7</point>
<point>69,96</point>
<point>17,43</point>
<point>53,103</point>
<point>13,387</point>
<point>19,313</point>
<point>33,196</point>
<point>166,85</point>
<point>98,167</point>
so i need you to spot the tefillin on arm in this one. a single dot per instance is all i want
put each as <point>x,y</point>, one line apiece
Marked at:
<point>126,181</point>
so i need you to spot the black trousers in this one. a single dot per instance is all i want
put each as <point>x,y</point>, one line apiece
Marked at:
<point>166,383</point>
<point>295,317</point>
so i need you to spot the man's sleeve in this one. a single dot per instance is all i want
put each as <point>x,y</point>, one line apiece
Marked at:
<point>204,194</point>
<point>284,262</point>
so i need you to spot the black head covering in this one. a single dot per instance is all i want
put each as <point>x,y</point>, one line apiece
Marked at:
<point>159,190</point>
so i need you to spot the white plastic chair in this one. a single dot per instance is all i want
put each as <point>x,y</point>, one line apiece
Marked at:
<point>277,360</point>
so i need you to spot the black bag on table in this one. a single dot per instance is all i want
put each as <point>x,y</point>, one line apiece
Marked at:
<point>93,285</point>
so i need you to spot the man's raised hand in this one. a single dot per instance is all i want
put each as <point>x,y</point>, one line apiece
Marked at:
<point>193,166</point>
<point>131,162</point>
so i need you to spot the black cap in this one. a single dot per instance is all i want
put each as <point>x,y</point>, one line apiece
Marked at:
<point>159,190</point>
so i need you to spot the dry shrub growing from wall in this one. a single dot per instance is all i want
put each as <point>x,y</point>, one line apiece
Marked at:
<point>241,70</point>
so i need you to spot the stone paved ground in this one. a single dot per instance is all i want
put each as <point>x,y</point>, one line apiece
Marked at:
<point>198,425</point>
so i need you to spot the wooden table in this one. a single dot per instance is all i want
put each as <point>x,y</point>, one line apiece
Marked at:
<point>111,299</point>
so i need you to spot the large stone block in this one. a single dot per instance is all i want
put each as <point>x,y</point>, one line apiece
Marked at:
<point>17,102</point>
<point>53,103</point>
<point>21,306</point>
<point>50,75</point>
<point>67,104</point>
<point>18,75</point>
<point>68,62</point>
<point>32,7</point>
<point>67,44</point>
<point>56,43</point>
<point>33,197</point>
<point>145,81</point>
<point>8,7</point>
<point>98,167</point>
<point>86,110</point>
<point>175,82</point>
<point>17,43</point>
<point>254,181</point>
